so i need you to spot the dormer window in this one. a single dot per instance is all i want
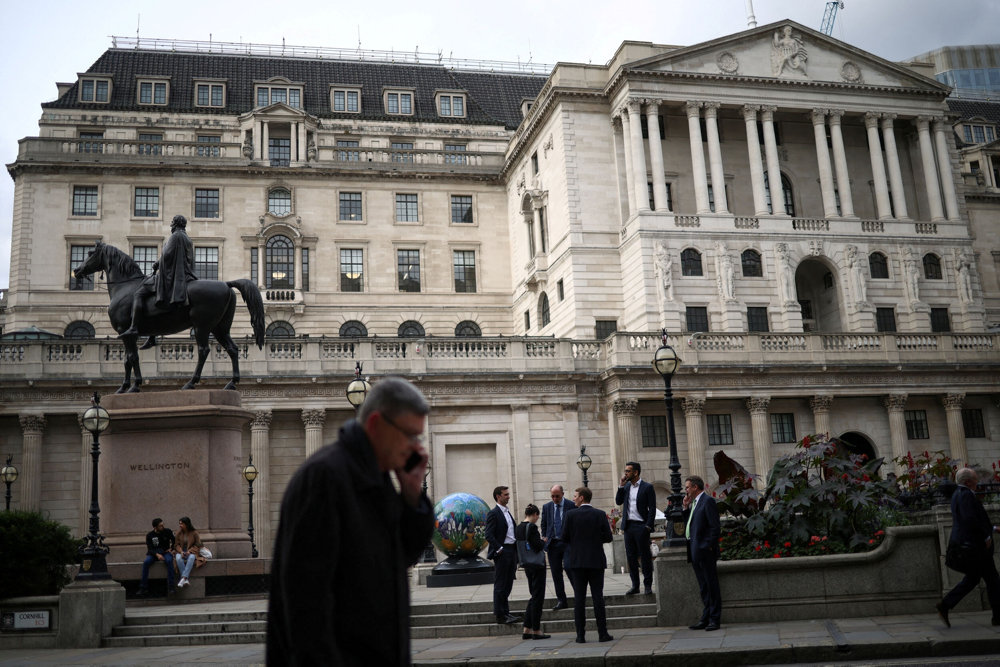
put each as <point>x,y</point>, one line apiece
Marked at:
<point>209,94</point>
<point>345,100</point>
<point>398,103</point>
<point>153,92</point>
<point>273,94</point>
<point>450,104</point>
<point>94,89</point>
<point>978,134</point>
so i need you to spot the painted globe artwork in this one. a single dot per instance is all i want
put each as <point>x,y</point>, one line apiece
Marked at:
<point>460,524</point>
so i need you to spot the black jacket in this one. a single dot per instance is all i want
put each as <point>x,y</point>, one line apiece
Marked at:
<point>585,530</point>
<point>705,529</point>
<point>645,502</point>
<point>159,542</point>
<point>971,525</point>
<point>528,532</point>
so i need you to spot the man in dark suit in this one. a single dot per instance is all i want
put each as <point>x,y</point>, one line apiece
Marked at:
<point>702,533</point>
<point>553,513</point>
<point>585,531</point>
<point>503,552</point>
<point>638,501</point>
<point>971,529</point>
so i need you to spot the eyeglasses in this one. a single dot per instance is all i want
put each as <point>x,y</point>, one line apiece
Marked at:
<point>556,495</point>
<point>416,438</point>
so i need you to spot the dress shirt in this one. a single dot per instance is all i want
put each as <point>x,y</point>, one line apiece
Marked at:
<point>633,501</point>
<point>509,538</point>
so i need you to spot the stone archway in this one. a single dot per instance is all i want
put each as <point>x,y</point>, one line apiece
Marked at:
<point>817,287</point>
<point>858,443</point>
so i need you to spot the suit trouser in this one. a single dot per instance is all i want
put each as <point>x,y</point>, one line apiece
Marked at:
<point>536,586</point>
<point>581,578</point>
<point>707,573</point>
<point>505,564</point>
<point>556,550</point>
<point>986,570</point>
<point>636,549</point>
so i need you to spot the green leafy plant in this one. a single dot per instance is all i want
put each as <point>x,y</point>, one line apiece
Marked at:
<point>925,478</point>
<point>34,553</point>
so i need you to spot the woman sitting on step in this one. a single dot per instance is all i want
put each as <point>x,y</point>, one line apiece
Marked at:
<point>187,545</point>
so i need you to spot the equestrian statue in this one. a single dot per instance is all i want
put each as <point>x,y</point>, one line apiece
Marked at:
<point>169,301</point>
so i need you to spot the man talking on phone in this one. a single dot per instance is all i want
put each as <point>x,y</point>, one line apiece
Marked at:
<point>638,501</point>
<point>339,591</point>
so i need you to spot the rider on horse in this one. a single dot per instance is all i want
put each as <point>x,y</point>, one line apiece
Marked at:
<point>169,284</point>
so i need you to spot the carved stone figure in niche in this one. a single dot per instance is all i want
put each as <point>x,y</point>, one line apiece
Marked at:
<point>964,279</point>
<point>786,276</point>
<point>787,51</point>
<point>311,150</point>
<point>725,277</point>
<point>912,272</point>
<point>248,147</point>
<point>663,265</point>
<point>857,267</point>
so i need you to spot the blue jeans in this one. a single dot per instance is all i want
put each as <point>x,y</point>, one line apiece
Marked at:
<point>185,568</point>
<point>150,559</point>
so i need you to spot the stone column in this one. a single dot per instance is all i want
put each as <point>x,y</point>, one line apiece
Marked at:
<point>257,139</point>
<point>261,263</point>
<point>265,142</point>
<point>293,143</point>
<point>638,156</point>
<point>656,155</point>
<point>30,476</point>
<point>756,168</point>
<point>894,405</point>
<point>820,405</point>
<point>715,157</point>
<point>694,412</point>
<point>840,164</point>
<point>757,406</point>
<point>773,166</point>
<point>878,167</point>
<point>302,142</point>
<point>956,430</point>
<point>260,449</point>
<point>629,167</point>
<point>313,419</point>
<point>823,161</point>
<point>944,165</point>
<point>625,198</point>
<point>697,158</point>
<point>892,159</point>
<point>626,430</point>
<point>297,249</point>
<point>86,476</point>
<point>537,231</point>
<point>930,170</point>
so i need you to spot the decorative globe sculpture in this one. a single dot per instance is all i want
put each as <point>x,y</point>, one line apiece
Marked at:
<point>460,525</point>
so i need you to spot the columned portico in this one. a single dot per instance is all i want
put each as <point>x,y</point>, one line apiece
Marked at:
<point>626,430</point>
<point>756,168</point>
<point>892,158</point>
<point>641,194</point>
<point>944,164</point>
<point>715,157</point>
<point>30,478</point>
<point>956,431</point>
<point>629,168</point>
<point>621,161</point>
<point>694,412</point>
<point>930,170</point>
<point>840,164</point>
<point>697,158</point>
<point>313,420</point>
<point>757,407</point>
<point>820,405</point>
<point>878,167</point>
<point>771,157</point>
<point>656,155</point>
<point>823,163</point>
<point>260,448</point>
<point>894,405</point>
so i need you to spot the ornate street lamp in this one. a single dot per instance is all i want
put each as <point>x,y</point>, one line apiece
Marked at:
<point>358,389</point>
<point>9,475</point>
<point>665,362</point>
<point>93,552</point>
<point>584,463</point>
<point>250,474</point>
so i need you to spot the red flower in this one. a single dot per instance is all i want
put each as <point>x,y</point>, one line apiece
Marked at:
<point>757,548</point>
<point>788,544</point>
<point>871,541</point>
<point>777,555</point>
<point>767,544</point>
<point>844,476</point>
<point>879,533</point>
<point>805,441</point>
<point>867,478</point>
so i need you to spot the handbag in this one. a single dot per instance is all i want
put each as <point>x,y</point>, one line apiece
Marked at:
<point>528,556</point>
<point>205,553</point>
<point>960,557</point>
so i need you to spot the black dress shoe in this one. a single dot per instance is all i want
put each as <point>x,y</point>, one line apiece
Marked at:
<point>648,591</point>
<point>581,640</point>
<point>560,605</point>
<point>943,613</point>
<point>541,636</point>
<point>527,635</point>
<point>632,591</point>
<point>700,625</point>
<point>605,638</point>
<point>712,626</point>
<point>141,593</point>
<point>509,620</point>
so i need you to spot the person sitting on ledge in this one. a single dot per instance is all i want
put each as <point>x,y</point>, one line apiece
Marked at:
<point>159,547</point>
<point>188,550</point>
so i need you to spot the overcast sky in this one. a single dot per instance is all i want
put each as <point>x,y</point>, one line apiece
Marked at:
<point>52,40</point>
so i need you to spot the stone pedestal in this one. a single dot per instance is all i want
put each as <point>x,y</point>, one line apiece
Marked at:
<point>88,611</point>
<point>172,454</point>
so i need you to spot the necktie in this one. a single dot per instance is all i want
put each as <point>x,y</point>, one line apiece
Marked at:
<point>557,523</point>
<point>687,529</point>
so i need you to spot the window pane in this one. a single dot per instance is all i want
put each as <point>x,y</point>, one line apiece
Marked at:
<point>294,98</point>
<point>279,95</point>
<point>144,256</point>
<point>351,156</point>
<point>209,151</point>
<point>339,103</point>
<point>160,93</point>
<point>206,203</point>
<point>604,328</point>
<point>932,267</point>
<point>279,201</point>
<point>262,97</point>
<point>147,202</point>
<point>940,323</point>
<point>102,91</point>
<point>406,208</point>
<point>697,318</point>
<point>458,106</point>
<point>405,105</point>
<point>305,269</point>
<point>279,152</point>
<point>757,319</point>
<point>720,430</point>
<point>350,206</point>
<point>279,263</point>
<point>654,431</point>
<point>445,105</point>
<point>150,149</point>
<point>145,93</point>
<point>352,100</point>
<point>916,424</point>
<point>752,266</point>
<point>885,320</point>
<point>783,427</point>
<point>203,95</point>
<point>351,270</point>
<point>216,96</point>
<point>465,270</point>
<point>77,255</point>
<point>543,310</point>
<point>878,265</point>
<point>972,421</point>
<point>392,103</point>
<point>461,208</point>
<point>206,263</point>
<point>405,146</point>
<point>691,262</point>
<point>87,91</point>
<point>85,200</point>
<point>451,157</point>
<point>408,270</point>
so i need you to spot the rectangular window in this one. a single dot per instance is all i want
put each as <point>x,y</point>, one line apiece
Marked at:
<point>452,105</point>
<point>145,256</point>
<point>916,424</point>
<point>210,95</point>
<point>146,148</point>
<point>348,156</point>
<point>345,100</point>
<point>408,270</point>
<point>885,320</point>
<point>206,203</point>
<point>972,421</point>
<point>274,94</point>
<point>534,162</point>
<point>206,263</point>
<point>89,145</point>
<point>77,256</point>
<point>209,151</point>
<point>85,200</point>
<point>757,320</point>
<point>560,290</point>
<point>939,320</point>
<point>305,269</point>
<point>351,270</point>
<point>604,328</point>
<point>720,429</point>
<point>654,431</point>
<point>783,427</point>
<point>527,321</point>
<point>153,92</point>
<point>461,208</point>
<point>253,265</point>
<point>279,152</point>
<point>94,90</point>
<point>406,208</point>
<point>465,270</point>
<point>697,318</point>
<point>399,103</point>
<point>402,146</point>
<point>350,206</point>
<point>147,203</point>
<point>455,154</point>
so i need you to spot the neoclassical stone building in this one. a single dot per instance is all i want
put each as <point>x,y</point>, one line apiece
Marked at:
<point>513,243</point>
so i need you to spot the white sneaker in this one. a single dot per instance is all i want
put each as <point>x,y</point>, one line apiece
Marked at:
<point>183,582</point>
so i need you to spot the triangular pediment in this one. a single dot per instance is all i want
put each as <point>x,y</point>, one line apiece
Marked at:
<point>787,51</point>
<point>279,111</point>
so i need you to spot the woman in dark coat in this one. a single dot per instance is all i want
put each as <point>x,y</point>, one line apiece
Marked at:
<point>530,553</point>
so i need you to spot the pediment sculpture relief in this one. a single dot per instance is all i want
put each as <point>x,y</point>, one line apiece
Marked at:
<point>787,52</point>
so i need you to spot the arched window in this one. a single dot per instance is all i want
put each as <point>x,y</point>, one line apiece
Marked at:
<point>690,262</point>
<point>468,328</point>
<point>279,201</point>
<point>932,267</point>
<point>280,329</point>
<point>353,329</point>
<point>878,265</point>
<point>410,329</point>
<point>79,329</point>
<point>279,269</point>
<point>543,310</point>
<point>752,266</point>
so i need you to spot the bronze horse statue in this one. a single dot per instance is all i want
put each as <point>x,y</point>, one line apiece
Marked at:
<point>209,309</point>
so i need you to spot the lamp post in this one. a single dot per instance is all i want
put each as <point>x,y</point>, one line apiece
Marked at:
<point>584,463</point>
<point>250,474</point>
<point>358,388</point>
<point>9,475</point>
<point>93,552</point>
<point>665,362</point>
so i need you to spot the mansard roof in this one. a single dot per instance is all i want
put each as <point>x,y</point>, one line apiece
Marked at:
<point>974,109</point>
<point>492,98</point>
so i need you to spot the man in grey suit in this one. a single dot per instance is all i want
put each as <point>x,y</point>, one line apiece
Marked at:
<point>702,532</point>
<point>553,513</point>
<point>585,531</point>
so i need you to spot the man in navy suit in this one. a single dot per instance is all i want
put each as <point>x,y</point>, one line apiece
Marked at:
<point>971,529</point>
<point>702,533</point>
<point>585,531</point>
<point>638,501</point>
<point>553,513</point>
<point>503,552</point>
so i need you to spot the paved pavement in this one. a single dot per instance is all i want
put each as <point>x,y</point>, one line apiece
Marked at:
<point>920,638</point>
